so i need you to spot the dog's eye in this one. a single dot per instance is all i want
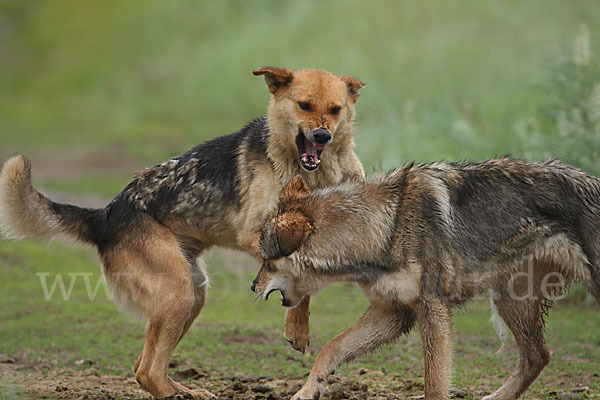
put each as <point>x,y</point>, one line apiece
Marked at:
<point>335,110</point>
<point>304,106</point>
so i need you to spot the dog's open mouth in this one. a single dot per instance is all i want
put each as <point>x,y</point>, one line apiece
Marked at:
<point>284,302</point>
<point>269,293</point>
<point>309,153</point>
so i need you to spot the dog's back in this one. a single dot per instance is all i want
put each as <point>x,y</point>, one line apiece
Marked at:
<point>200,190</point>
<point>495,216</point>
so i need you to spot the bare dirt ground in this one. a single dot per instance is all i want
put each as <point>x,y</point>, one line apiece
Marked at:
<point>20,379</point>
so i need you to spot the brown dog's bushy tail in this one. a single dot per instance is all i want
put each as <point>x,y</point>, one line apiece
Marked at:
<point>24,212</point>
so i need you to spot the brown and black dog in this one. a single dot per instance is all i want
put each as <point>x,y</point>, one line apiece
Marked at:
<point>150,236</point>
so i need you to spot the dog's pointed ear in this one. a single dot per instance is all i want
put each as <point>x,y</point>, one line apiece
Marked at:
<point>275,77</point>
<point>296,189</point>
<point>292,230</point>
<point>353,85</point>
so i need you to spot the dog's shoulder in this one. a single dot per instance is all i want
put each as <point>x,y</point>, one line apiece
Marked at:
<point>256,134</point>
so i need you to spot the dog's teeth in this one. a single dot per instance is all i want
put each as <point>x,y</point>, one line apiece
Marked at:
<point>317,161</point>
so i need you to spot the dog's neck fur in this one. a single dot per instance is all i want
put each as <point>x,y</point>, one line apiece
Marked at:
<point>347,211</point>
<point>338,161</point>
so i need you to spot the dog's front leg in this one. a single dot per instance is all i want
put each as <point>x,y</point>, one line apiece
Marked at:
<point>435,324</point>
<point>297,328</point>
<point>379,325</point>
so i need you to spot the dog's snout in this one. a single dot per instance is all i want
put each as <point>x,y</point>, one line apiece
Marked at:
<point>322,136</point>
<point>253,285</point>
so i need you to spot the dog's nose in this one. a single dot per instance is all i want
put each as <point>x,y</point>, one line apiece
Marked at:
<point>253,286</point>
<point>322,136</point>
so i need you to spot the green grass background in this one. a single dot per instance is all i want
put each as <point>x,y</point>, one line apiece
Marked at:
<point>445,80</point>
<point>144,80</point>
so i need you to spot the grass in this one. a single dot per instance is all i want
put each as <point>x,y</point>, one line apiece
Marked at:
<point>133,83</point>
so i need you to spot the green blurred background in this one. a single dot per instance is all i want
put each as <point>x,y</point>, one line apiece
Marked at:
<point>445,80</point>
<point>92,91</point>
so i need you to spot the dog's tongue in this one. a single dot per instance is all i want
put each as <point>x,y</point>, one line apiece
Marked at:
<point>311,152</point>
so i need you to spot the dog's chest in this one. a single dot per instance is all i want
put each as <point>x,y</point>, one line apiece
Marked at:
<point>401,286</point>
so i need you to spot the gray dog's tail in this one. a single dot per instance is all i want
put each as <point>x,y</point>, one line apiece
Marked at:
<point>498,323</point>
<point>24,212</point>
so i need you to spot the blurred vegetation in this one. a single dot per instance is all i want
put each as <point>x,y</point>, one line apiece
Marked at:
<point>444,80</point>
<point>568,122</point>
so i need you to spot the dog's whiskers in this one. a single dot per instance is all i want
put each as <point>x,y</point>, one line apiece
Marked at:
<point>256,299</point>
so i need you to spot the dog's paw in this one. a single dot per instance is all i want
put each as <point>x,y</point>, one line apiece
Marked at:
<point>203,394</point>
<point>311,391</point>
<point>307,396</point>
<point>297,329</point>
<point>186,393</point>
<point>298,340</point>
<point>497,395</point>
<point>196,394</point>
<point>177,396</point>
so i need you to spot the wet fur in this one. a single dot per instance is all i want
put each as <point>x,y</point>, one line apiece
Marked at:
<point>424,239</point>
<point>150,237</point>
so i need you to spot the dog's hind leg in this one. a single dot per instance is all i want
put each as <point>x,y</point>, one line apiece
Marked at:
<point>200,297</point>
<point>200,282</point>
<point>378,326</point>
<point>525,319</point>
<point>156,278</point>
<point>166,326</point>
<point>161,339</point>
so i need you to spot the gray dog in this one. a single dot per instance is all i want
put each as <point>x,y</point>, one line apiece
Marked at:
<point>423,239</point>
